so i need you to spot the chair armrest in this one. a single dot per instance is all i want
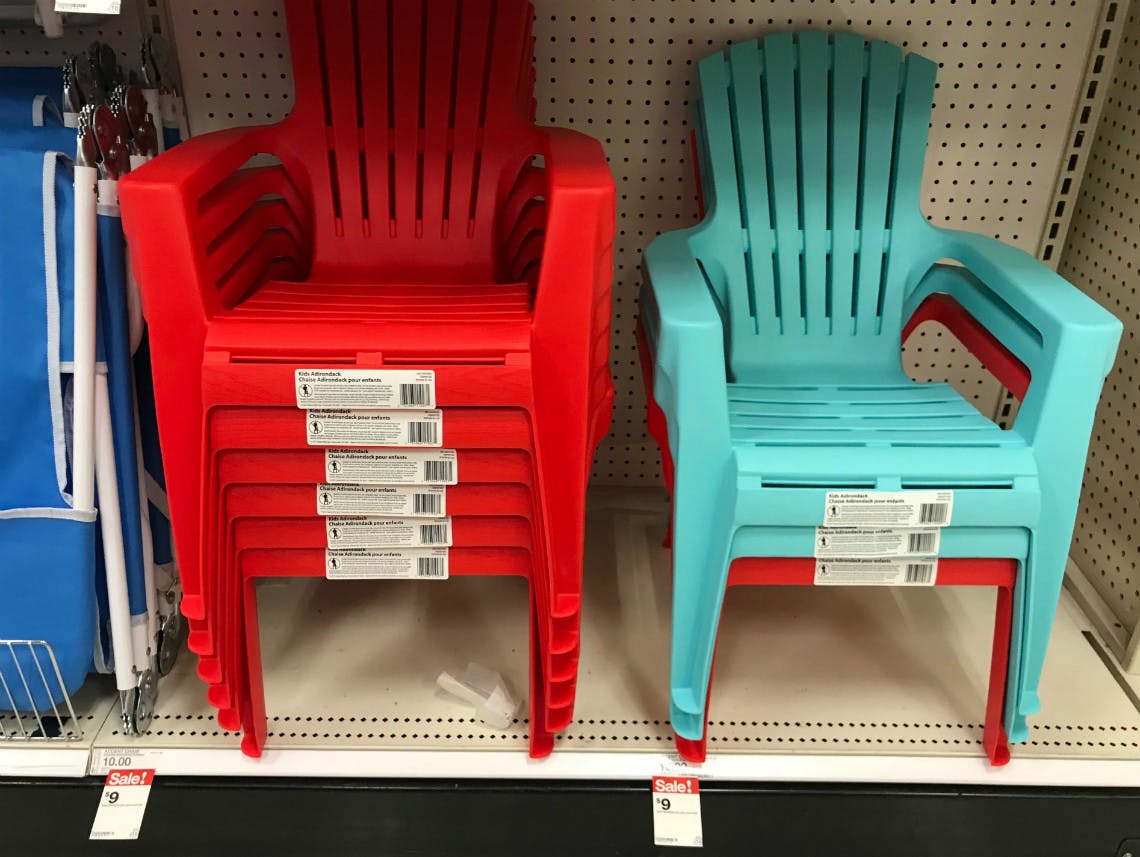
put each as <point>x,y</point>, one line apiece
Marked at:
<point>575,160</point>
<point>573,294</point>
<point>685,334</point>
<point>195,216</point>
<point>1065,339</point>
<point>195,166</point>
<point>1048,301</point>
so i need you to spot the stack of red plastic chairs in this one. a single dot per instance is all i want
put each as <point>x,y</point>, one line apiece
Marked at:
<point>380,333</point>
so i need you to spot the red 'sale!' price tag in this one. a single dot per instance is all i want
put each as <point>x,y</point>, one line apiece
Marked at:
<point>677,812</point>
<point>123,804</point>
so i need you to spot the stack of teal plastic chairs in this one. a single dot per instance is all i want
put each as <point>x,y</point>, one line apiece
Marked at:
<point>773,333</point>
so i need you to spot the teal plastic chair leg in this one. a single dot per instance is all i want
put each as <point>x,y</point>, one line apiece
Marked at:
<point>702,542</point>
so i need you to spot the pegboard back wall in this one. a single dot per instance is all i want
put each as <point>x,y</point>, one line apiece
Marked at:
<point>1103,254</point>
<point>26,45</point>
<point>1011,81</point>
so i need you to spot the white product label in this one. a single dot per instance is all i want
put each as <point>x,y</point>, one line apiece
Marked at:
<point>390,467</point>
<point>429,564</point>
<point>364,388</point>
<point>387,532</point>
<point>103,761</point>
<point>374,428</point>
<point>677,812</point>
<point>93,7</point>
<point>888,508</point>
<point>908,571</point>
<point>123,804</point>
<point>428,501</point>
<point>845,542</point>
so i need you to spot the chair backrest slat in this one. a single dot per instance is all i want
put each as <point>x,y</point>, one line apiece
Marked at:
<point>812,116</point>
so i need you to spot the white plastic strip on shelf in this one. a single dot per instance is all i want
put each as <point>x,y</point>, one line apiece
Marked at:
<point>847,684</point>
<point>93,703</point>
<point>1103,254</point>
<point>1010,83</point>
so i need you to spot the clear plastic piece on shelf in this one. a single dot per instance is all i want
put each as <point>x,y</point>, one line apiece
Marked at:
<point>485,690</point>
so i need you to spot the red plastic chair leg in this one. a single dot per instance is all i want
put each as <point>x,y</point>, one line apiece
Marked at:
<point>254,726</point>
<point>692,751</point>
<point>994,739</point>
<point>541,738</point>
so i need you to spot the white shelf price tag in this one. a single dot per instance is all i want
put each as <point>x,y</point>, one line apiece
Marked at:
<point>677,812</point>
<point>123,804</point>
<point>104,760</point>
<point>93,7</point>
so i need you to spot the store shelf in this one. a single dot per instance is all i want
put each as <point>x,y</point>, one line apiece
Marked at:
<point>835,685</point>
<point>38,756</point>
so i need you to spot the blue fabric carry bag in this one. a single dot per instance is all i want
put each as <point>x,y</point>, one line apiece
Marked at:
<point>47,556</point>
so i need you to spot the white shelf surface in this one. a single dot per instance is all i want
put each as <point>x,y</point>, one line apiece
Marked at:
<point>59,757</point>
<point>842,685</point>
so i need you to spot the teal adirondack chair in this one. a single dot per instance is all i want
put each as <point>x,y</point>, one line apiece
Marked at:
<point>773,331</point>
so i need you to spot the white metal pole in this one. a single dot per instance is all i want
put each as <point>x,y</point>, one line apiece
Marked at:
<point>111,526</point>
<point>83,407</point>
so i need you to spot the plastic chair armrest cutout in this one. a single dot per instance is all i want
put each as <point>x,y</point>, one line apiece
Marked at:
<point>1011,372</point>
<point>197,165</point>
<point>1047,301</point>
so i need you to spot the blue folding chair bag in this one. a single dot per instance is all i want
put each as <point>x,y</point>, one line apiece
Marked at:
<point>163,539</point>
<point>774,330</point>
<point>116,343</point>
<point>46,545</point>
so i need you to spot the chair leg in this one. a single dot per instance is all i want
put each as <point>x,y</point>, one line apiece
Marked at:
<point>1039,581</point>
<point>253,706</point>
<point>994,737</point>
<point>696,750</point>
<point>700,572</point>
<point>541,738</point>
<point>562,461</point>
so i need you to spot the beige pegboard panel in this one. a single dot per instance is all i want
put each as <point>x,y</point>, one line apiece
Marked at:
<point>1103,254</point>
<point>1011,81</point>
<point>28,46</point>
<point>1085,118</point>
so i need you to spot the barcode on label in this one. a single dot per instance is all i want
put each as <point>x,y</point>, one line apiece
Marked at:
<point>919,572</point>
<point>427,504</point>
<point>431,566</point>
<point>433,534</point>
<point>427,433</point>
<point>920,542</point>
<point>415,395</point>
<point>933,513</point>
<point>439,471</point>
